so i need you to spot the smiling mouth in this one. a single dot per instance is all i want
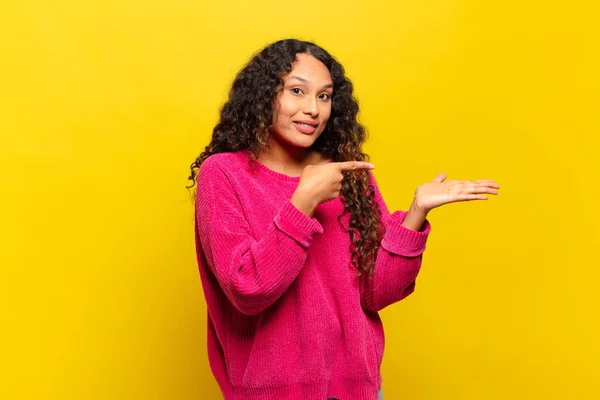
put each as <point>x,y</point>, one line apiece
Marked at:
<point>305,125</point>
<point>307,129</point>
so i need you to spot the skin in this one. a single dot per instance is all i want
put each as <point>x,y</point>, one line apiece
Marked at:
<point>306,96</point>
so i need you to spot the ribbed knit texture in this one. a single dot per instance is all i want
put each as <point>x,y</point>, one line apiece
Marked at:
<point>286,317</point>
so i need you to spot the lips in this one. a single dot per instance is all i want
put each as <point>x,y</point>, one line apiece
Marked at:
<point>307,127</point>
<point>307,122</point>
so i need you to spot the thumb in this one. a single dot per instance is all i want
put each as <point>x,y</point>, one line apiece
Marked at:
<point>440,177</point>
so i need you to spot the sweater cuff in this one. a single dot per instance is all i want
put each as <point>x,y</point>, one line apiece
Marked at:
<point>297,225</point>
<point>400,240</point>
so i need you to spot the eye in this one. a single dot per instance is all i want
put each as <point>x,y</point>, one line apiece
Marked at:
<point>296,90</point>
<point>325,96</point>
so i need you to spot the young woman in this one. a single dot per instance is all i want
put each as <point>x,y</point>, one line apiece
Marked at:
<point>296,248</point>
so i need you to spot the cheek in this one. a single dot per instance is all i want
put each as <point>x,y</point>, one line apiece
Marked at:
<point>287,106</point>
<point>281,120</point>
<point>279,112</point>
<point>326,112</point>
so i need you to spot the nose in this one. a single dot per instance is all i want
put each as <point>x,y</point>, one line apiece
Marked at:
<point>311,106</point>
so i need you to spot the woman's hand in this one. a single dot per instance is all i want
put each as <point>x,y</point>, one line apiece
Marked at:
<point>320,183</point>
<point>439,192</point>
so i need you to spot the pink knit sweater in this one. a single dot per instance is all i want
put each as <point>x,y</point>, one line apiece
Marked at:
<point>286,318</point>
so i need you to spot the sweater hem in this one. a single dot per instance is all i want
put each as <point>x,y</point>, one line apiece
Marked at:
<point>347,388</point>
<point>403,241</point>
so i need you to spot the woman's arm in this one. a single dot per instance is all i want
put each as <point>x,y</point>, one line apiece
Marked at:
<point>399,258</point>
<point>253,272</point>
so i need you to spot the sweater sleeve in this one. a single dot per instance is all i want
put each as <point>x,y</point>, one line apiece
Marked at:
<point>398,260</point>
<point>253,272</point>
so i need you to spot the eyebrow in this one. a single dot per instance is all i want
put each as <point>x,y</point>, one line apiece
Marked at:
<point>306,81</point>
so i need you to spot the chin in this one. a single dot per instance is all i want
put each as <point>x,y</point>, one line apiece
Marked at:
<point>304,142</point>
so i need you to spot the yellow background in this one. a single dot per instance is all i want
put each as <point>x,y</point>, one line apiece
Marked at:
<point>104,104</point>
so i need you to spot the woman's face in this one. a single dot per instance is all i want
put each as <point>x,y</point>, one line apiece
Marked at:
<point>303,107</point>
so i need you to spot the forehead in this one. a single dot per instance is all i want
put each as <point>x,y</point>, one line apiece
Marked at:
<point>311,69</point>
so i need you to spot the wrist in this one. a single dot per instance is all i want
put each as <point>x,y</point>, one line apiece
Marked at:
<point>415,217</point>
<point>305,202</point>
<point>417,208</point>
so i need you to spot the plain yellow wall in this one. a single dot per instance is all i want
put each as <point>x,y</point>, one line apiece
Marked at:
<point>105,104</point>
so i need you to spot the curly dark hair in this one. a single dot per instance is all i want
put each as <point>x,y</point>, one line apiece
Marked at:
<point>245,122</point>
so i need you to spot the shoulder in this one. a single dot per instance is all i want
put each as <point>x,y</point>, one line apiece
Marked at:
<point>222,163</point>
<point>222,170</point>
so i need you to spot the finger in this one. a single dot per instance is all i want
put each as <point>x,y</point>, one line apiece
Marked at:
<point>472,184</point>
<point>470,196</point>
<point>440,177</point>
<point>488,185</point>
<point>480,189</point>
<point>352,165</point>
<point>489,182</point>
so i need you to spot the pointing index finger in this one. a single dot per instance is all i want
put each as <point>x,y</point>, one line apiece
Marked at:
<point>353,165</point>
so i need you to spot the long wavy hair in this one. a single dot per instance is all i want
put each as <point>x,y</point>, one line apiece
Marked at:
<point>246,119</point>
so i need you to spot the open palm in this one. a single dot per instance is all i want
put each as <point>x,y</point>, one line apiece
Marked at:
<point>439,191</point>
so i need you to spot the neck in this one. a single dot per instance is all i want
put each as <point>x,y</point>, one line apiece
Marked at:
<point>288,159</point>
